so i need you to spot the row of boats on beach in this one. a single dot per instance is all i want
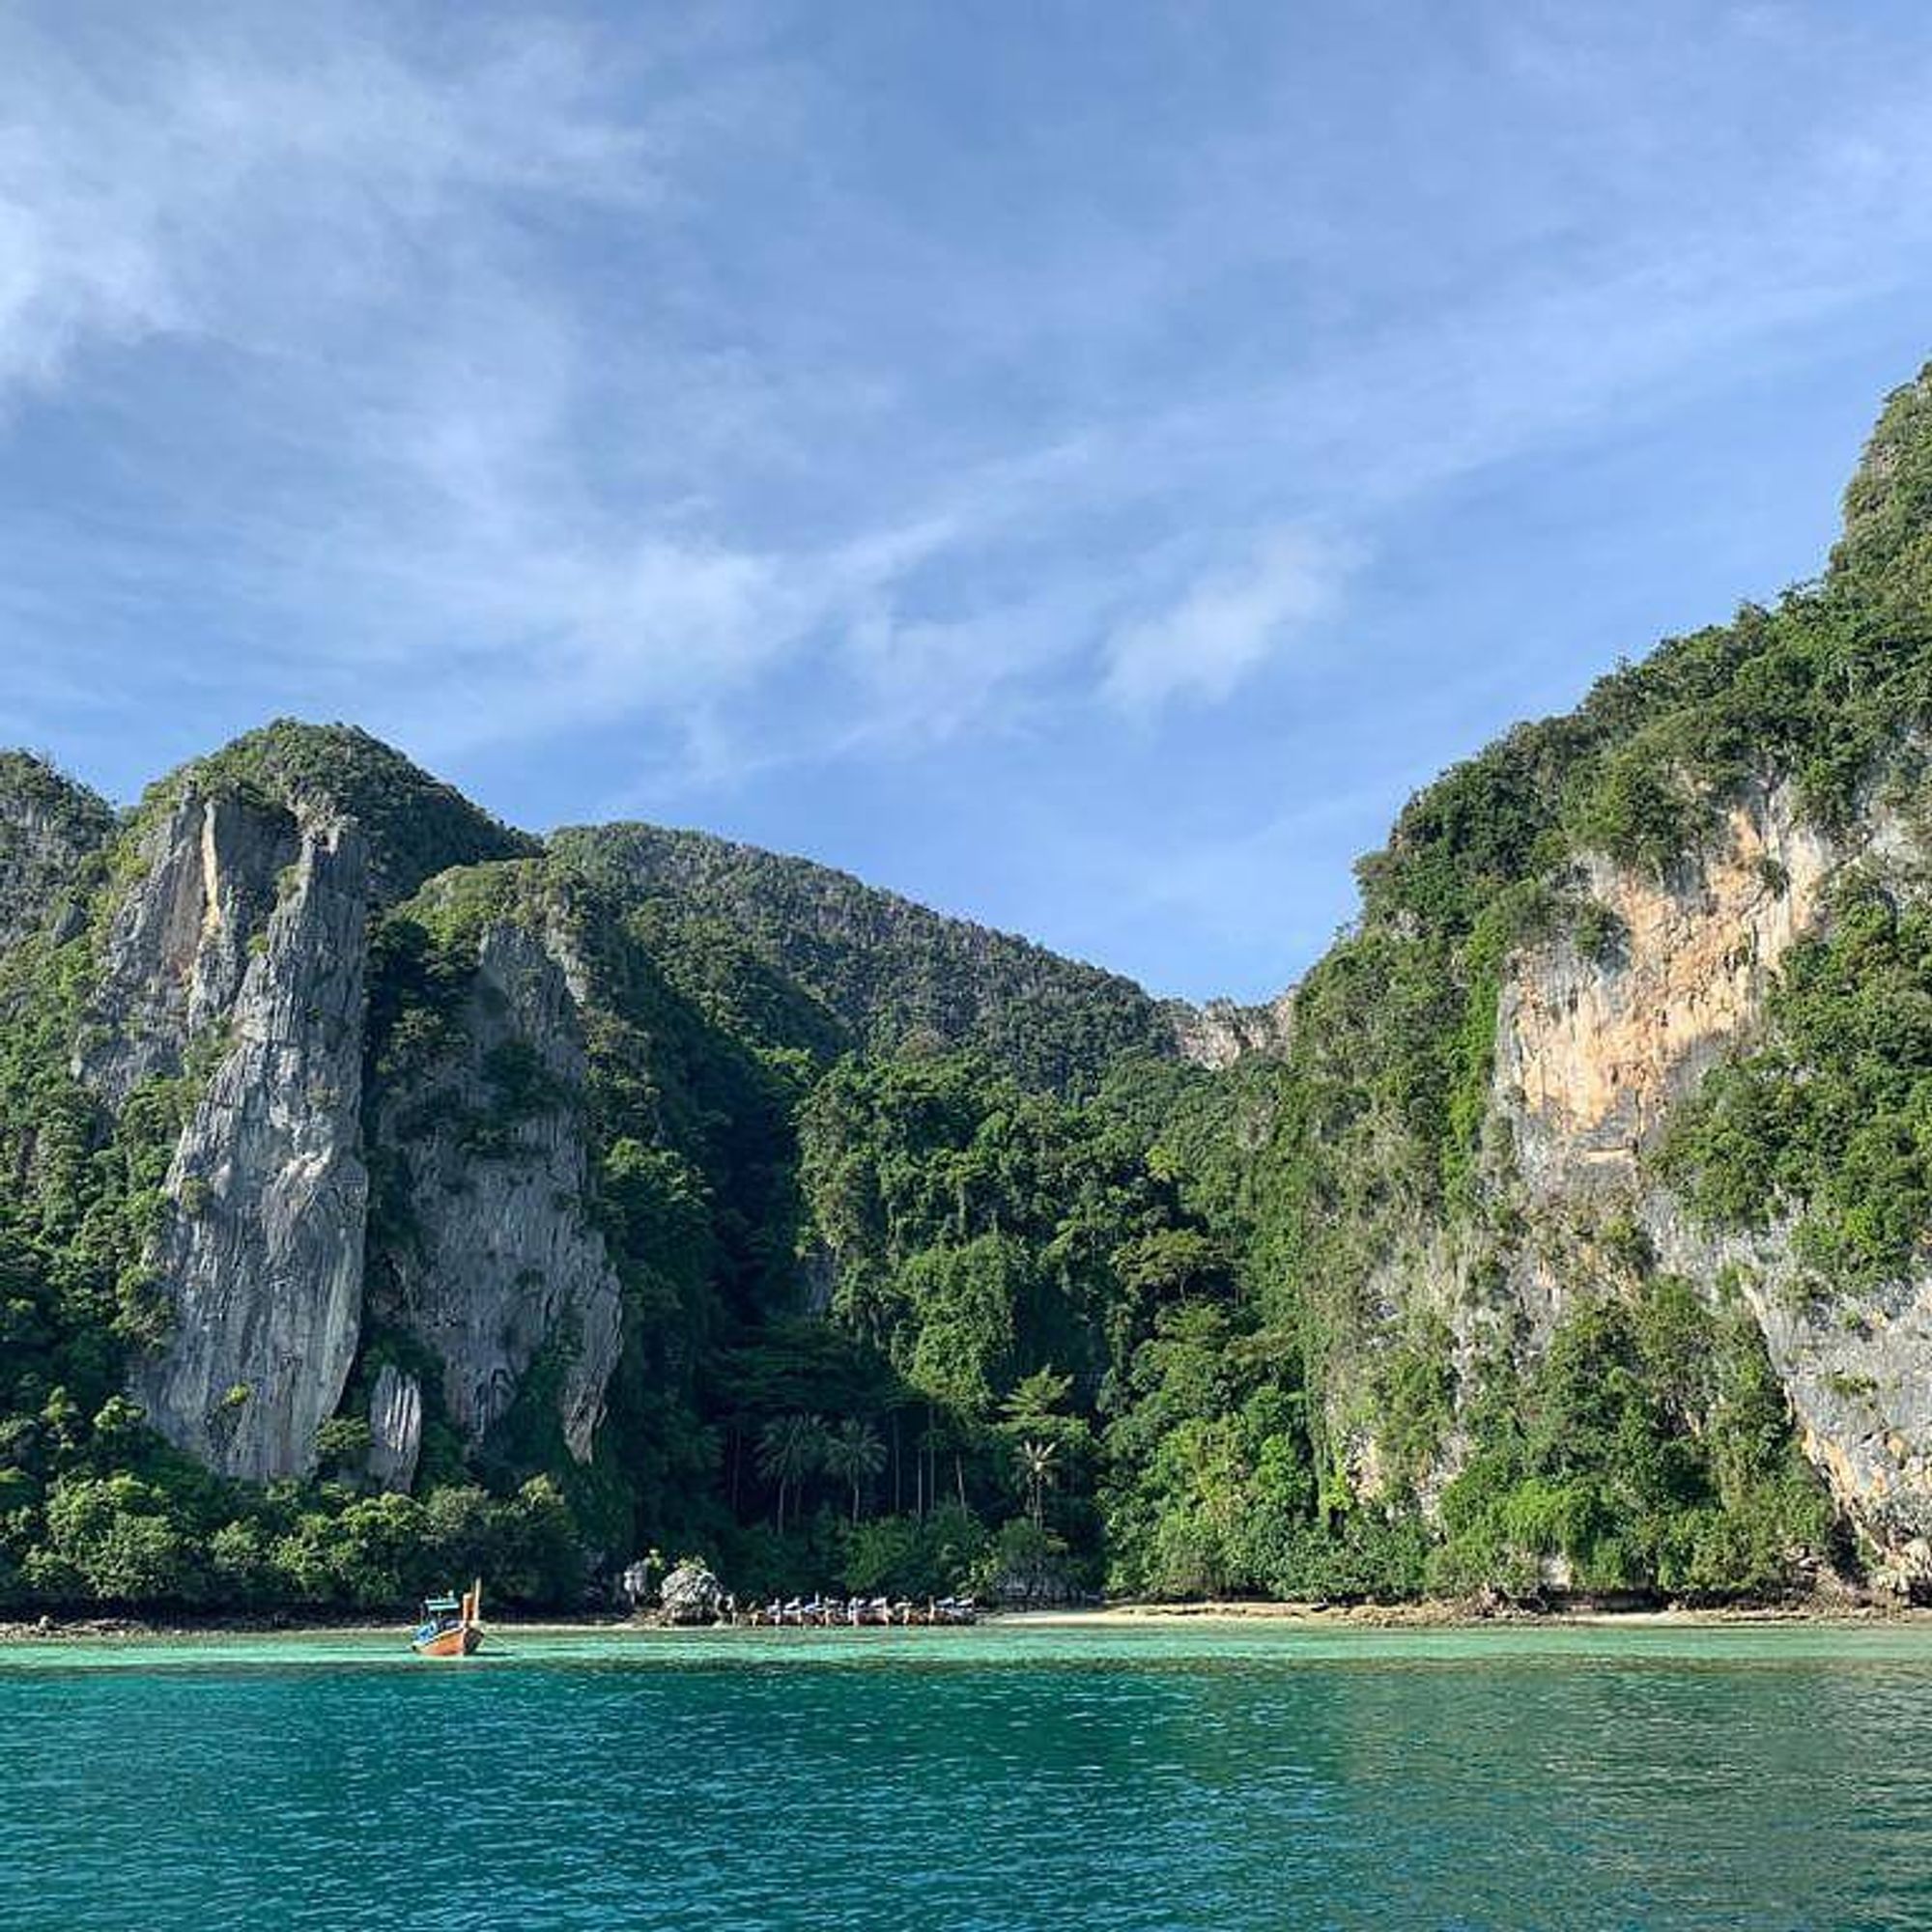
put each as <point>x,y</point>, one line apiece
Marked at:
<point>833,1612</point>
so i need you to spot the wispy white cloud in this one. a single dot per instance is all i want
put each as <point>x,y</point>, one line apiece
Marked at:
<point>1225,625</point>
<point>253,188</point>
<point>343,244</point>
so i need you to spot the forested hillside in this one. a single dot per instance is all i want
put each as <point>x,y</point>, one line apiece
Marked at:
<point>387,1194</point>
<point>793,955</point>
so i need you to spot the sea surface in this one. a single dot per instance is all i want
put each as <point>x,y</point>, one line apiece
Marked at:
<point>1222,1776</point>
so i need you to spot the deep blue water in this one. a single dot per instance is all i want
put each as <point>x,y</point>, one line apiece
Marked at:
<point>1200,1776</point>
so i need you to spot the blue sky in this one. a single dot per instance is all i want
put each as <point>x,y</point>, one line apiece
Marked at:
<point>1081,466</point>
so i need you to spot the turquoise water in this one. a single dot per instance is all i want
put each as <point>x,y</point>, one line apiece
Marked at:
<point>1002,1778</point>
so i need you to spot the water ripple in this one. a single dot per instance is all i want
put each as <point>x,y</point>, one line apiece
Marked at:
<point>1761,1781</point>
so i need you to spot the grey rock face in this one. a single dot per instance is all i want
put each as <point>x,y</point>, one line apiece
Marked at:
<point>177,948</point>
<point>395,1428</point>
<point>1858,1373</point>
<point>1222,1031</point>
<point>262,1257</point>
<point>503,1265</point>
<point>243,934</point>
<point>48,827</point>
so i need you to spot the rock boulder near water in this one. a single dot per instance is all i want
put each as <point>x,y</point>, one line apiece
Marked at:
<point>690,1594</point>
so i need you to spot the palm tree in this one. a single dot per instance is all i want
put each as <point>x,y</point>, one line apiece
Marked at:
<point>1038,1460</point>
<point>854,1453</point>
<point>790,1447</point>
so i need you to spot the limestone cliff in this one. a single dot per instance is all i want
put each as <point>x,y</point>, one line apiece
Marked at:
<point>1596,1048</point>
<point>1221,1031</point>
<point>1570,941</point>
<point>261,1256</point>
<point>203,883</point>
<point>229,973</point>
<point>497,1267</point>
<point>395,1428</point>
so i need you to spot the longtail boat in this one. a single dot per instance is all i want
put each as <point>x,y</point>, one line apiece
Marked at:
<point>451,1625</point>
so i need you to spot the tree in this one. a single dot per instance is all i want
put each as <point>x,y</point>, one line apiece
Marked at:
<point>790,1447</point>
<point>1036,1405</point>
<point>118,1540</point>
<point>854,1453</point>
<point>1039,1462</point>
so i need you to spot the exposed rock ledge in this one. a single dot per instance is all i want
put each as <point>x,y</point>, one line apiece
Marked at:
<point>1222,1031</point>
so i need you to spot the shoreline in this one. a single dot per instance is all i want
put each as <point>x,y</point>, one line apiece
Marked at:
<point>1425,1615</point>
<point>1439,1615</point>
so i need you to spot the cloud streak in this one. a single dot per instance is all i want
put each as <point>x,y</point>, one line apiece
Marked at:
<point>777,406</point>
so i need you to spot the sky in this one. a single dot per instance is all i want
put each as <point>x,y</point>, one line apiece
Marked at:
<point>1081,466</point>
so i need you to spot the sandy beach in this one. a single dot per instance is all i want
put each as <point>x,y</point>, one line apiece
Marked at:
<point>1430,1614</point>
<point>1234,1615</point>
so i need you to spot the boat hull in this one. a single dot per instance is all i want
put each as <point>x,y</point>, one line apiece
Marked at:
<point>462,1641</point>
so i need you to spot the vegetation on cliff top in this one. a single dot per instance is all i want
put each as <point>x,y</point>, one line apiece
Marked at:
<point>416,825</point>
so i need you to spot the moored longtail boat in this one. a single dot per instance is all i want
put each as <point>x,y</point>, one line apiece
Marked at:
<point>451,1625</point>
